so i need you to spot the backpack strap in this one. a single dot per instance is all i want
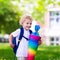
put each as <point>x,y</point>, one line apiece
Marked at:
<point>30,33</point>
<point>14,40</point>
<point>20,37</point>
<point>21,34</point>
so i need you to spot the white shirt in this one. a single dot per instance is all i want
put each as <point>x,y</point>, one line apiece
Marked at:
<point>22,50</point>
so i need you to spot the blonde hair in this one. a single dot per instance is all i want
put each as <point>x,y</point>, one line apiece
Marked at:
<point>24,17</point>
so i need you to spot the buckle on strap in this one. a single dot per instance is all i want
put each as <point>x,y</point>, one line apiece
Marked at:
<point>19,40</point>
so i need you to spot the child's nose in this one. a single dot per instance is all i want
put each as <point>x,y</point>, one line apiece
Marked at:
<point>29,25</point>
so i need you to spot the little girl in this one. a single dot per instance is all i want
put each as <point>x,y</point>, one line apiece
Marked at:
<point>22,50</point>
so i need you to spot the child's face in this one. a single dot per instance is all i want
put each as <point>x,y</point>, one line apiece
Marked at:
<point>27,24</point>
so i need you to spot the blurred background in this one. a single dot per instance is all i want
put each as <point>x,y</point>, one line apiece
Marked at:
<point>46,13</point>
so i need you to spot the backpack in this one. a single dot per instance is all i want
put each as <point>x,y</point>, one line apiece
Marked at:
<point>20,37</point>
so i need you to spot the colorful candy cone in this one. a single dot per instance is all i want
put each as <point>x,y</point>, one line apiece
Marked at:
<point>32,47</point>
<point>33,43</point>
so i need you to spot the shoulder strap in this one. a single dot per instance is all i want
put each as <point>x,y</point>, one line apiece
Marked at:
<point>30,31</point>
<point>20,37</point>
<point>21,33</point>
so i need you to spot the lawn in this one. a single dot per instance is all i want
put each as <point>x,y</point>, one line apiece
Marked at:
<point>6,53</point>
<point>48,53</point>
<point>43,53</point>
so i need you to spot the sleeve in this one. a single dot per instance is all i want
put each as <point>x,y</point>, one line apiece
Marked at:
<point>16,33</point>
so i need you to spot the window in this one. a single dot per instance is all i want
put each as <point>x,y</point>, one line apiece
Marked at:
<point>51,19</point>
<point>54,19</point>
<point>52,43</point>
<point>57,19</point>
<point>57,13</point>
<point>51,13</point>
<point>57,43</point>
<point>57,39</point>
<point>51,39</point>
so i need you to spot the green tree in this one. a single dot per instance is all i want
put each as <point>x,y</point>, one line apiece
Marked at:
<point>9,16</point>
<point>40,9</point>
<point>11,10</point>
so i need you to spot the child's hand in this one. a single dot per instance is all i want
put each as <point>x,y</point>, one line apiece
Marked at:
<point>39,42</point>
<point>10,41</point>
<point>11,45</point>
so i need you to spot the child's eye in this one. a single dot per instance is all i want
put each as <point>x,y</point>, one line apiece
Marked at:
<point>27,23</point>
<point>30,23</point>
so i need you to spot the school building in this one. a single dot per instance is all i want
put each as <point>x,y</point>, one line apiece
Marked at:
<point>51,30</point>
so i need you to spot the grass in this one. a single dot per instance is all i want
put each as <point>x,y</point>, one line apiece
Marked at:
<point>43,53</point>
<point>6,53</point>
<point>48,53</point>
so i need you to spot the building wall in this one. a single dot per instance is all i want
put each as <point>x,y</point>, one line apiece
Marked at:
<point>51,30</point>
<point>46,19</point>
